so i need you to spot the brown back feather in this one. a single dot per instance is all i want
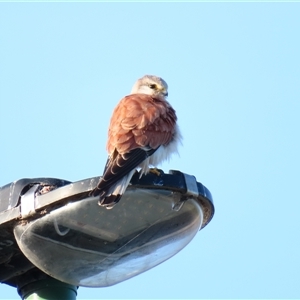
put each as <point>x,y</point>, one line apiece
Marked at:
<point>139,121</point>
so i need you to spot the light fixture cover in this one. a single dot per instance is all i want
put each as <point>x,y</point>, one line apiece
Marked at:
<point>84,244</point>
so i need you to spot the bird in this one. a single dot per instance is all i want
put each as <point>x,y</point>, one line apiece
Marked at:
<point>143,132</point>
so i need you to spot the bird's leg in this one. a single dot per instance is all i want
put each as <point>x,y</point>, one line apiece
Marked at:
<point>155,171</point>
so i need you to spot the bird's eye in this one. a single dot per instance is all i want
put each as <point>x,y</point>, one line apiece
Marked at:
<point>152,86</point>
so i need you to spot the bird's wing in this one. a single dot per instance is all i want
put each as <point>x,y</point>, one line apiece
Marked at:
<point>140,121</point>
<point>139,125</point>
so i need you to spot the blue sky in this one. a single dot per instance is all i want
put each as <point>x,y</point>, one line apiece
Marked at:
<point>233,71</point>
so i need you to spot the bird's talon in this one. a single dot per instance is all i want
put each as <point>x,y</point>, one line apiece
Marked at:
<point>155,171</point>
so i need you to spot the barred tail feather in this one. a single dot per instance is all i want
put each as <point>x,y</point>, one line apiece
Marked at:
<point>113,194</point>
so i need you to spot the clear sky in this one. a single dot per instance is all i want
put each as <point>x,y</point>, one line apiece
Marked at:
<point>233,71</point>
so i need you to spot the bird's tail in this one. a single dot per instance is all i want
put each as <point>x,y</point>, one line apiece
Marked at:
<point>110,196</point>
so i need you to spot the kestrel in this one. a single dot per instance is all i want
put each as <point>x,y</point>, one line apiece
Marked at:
<point>142,133</point>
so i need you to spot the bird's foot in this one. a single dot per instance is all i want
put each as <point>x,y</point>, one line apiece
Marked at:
<point>155,171</point>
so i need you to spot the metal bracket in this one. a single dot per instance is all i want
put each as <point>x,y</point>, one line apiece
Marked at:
<point>191,185</point>
<point>191,190</point>
<point>27,202</point>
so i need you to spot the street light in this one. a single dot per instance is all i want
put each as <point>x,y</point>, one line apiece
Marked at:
<point>65,234</point>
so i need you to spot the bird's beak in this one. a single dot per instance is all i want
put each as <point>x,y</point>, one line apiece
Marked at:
<point>165,92</point>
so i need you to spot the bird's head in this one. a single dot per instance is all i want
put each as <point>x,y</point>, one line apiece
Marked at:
<point>151,85</point>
